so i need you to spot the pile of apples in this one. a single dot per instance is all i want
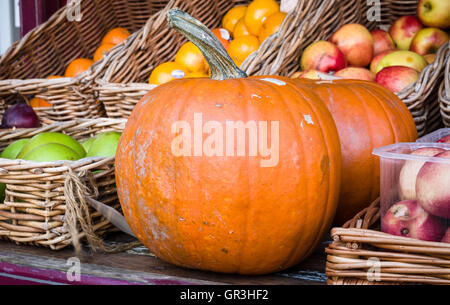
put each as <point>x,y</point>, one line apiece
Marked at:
<point>393,58</point>
<point>55,146</point>
<point>243,30</point>
<point>424,190</point>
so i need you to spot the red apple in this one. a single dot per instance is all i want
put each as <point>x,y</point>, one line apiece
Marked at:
<point>407,218</point>
<point>409,171</point>
<point>403,58</point>
<point>382,41</point>
<point>445,139</point>
<point>435,13</point>
<point>377,58</point>
<point>356,73</point>
<point>396,78</point>
<point>433,187</point>
<point>322,56</point>
<point>403,31</point>
<point>356,42</point>
<point>446,238</point>
<point>428,40</point>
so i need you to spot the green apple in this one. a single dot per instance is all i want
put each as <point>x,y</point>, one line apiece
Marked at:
<point>104,145</point>
<point>51,152</point>
<point>86,143</point>
<point>52,137</point>
<point>10,152</point>
<point>402,58</point>
<point>13,149</point>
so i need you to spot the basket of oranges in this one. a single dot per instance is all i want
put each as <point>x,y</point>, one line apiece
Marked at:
<point>52,67</point>
<point>261,36</point>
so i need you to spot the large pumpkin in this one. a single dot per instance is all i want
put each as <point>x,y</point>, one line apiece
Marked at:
<point>367,116</point>
<point>201,205</point>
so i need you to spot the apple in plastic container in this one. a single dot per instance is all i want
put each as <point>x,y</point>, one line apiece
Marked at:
<point>446,238</point>
<point>445,139</point>
<point>433,187</point>
<point>409,171</point>
<point>407,218</point>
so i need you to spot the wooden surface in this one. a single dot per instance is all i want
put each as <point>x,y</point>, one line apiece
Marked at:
<point>31,265</point>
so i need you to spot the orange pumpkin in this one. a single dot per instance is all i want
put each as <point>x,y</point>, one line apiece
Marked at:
<point>367,116</point>
<point>228,213</point>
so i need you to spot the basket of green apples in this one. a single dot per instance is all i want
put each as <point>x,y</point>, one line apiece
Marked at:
<point>48,175</point>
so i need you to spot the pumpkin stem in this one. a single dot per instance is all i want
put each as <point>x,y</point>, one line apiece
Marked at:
<point>221,65</point>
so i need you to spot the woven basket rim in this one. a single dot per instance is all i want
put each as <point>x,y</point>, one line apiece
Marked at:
<point>412,260</point>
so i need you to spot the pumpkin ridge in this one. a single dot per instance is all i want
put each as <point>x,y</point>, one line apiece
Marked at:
<point>362,101</point>
<point>190,90</point>
<point>323,228</point>
<point>248,207</point>
<point>400,109</point>
<point>291,255</point>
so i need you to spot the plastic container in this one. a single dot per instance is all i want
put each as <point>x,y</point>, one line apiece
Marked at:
<point>435,136</point>
<point>415,191</point>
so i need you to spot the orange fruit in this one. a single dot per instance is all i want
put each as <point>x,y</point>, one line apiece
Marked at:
<point>257,12</point>
<point>191,58</point>
<point>116,36</point>
<point>166,72</point>
<point>223,35</point>
<point>78,66</point>
<point>232,17</point>
<point>54,77</point>
<point>37,102</point>
<point>99,53</point>
<point>241,47</point>
<point>240,29</point>
<point>271,25</point>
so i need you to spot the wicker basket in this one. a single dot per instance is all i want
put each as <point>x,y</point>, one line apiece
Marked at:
<point>44,202</point>
<point>278,54</point>
<point>361,254</point>
<point>444,93</point>
<point>48,49</point>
